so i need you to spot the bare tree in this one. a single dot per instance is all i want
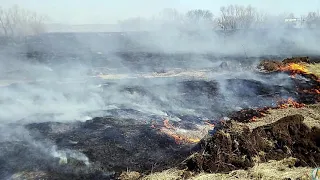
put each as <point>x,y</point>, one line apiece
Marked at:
<point>170,18</point>
<point>199,15</point>
<point>16,22</point>
<point>227,20</point>
<point>3,22</point>
<point>198,19</point>
<point>239,17</point>
<point>312,19</point>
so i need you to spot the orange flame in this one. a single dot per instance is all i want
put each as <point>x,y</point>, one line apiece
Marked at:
<point>179,139</point>
<point>281,104</point>
<point>312,91</point>
<point>295,68</point>
<point>167,124</point>
<point>169,130</point>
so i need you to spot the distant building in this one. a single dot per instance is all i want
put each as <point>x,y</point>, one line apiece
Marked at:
<point>294,22</point>
<point>291,20</point>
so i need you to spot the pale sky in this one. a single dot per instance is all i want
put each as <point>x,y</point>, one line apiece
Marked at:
<point>108,12</point>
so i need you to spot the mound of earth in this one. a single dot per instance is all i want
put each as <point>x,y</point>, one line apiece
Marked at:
<point>236,146</point>
<point>304,59</point>
<point>274,65</point>
<point>270,65</point>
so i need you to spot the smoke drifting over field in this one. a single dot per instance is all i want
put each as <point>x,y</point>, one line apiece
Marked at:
<point>62,82</point>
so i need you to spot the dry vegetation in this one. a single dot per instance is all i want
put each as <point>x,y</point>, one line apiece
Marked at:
<point>268,171</point>
<point>314,69</point>
<point>311,115</point>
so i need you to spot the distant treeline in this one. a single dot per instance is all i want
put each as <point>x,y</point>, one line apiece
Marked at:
<point>230,18</point>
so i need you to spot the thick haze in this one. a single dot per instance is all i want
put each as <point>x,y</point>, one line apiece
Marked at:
<point>109,12</point>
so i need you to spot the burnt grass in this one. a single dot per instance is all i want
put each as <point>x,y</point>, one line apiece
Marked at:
<point>115,145</point>
<point>230,149</point>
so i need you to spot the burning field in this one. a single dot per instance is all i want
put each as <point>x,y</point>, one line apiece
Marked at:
<point>196,121</point>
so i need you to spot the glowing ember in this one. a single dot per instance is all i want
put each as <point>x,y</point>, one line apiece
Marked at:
<point>254,118</point>
<point>311,91</point>
<point>252,115</point>
<point>289,103</point>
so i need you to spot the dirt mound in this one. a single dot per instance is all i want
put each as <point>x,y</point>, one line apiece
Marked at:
<point>247,115</point>
<point>236,147</point>
<point>274,65</point>
<point>296,60</point>
<point>270,65</point>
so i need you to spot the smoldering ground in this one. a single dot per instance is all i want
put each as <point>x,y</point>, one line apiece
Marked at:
<point>50,79</point>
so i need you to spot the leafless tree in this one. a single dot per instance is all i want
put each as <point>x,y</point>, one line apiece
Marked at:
<point>227,20</point>
<point>239,17</point>
<point>17,22</point>
<point>170,18</point>
<point>199,15</point>
<point>198,18</point>
<point>3,22</point>
<point>312,19</point>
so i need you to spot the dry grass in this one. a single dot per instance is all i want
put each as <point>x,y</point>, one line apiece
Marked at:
<point>171,174</point>
<point>130,175</point>
<point>314,69</point>
<point>263,171</point>
<point>311,115</point>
